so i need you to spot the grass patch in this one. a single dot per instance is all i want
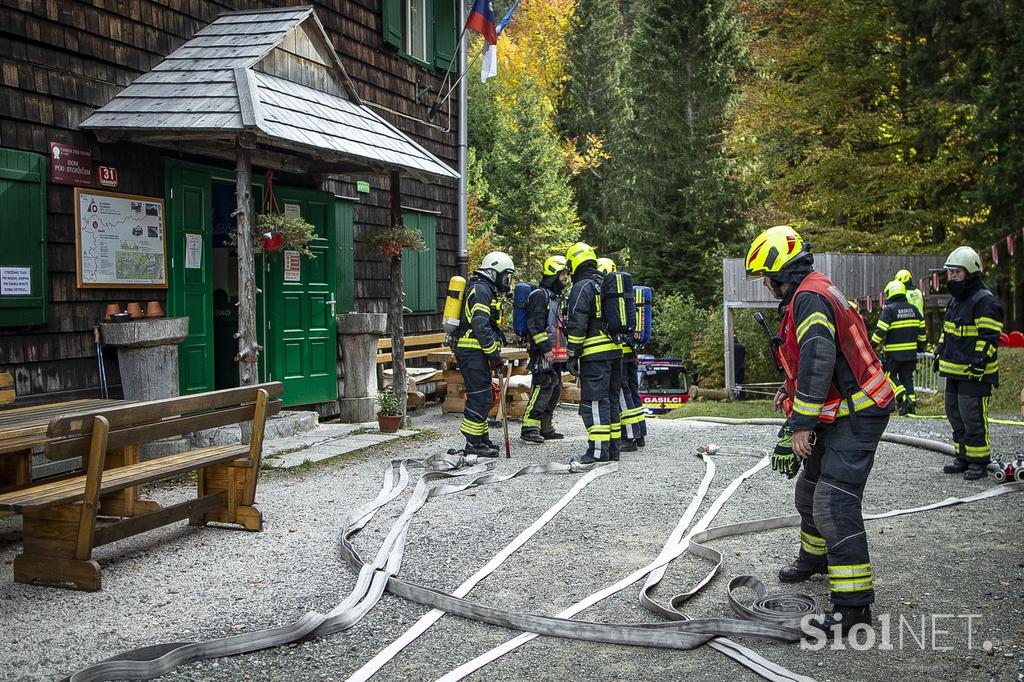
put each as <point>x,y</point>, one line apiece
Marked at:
<point>743,409</point>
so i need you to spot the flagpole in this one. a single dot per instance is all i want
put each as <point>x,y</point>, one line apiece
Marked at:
<point>465,71</point>
<point>463,256</point>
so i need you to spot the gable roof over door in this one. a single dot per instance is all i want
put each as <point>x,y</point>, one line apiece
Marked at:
<point>272,74</point>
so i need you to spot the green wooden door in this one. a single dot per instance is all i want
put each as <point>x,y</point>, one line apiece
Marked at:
<point>301,328</point>
<point>23,279</point>
<point>190,285</point>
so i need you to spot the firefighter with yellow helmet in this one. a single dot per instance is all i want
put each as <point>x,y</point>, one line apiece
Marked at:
<point>631,409</point>
<point>593,357</point>
<point>478,346</point>
<point>967,356</point>
<point>900,333</point>
<point>914,295</point>
<point>837,401</point>
<point>545,342</point>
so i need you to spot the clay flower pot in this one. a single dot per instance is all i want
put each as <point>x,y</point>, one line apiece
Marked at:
<point>153,309</point>
<point>134,311</point>
<point>389,423</point>
<point>111,309</point>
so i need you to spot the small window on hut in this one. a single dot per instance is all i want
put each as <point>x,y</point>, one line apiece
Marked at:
<point>422,30</point>
<point>419,268</point>
<point>23,276</point>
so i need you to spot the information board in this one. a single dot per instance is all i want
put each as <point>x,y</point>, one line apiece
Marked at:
<point>120,240</point>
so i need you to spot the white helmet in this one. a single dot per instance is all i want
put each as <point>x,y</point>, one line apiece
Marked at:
<point>964,257</point>
<point>498,267</point>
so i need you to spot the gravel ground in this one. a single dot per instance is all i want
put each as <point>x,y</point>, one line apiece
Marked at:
<point>180,583</point>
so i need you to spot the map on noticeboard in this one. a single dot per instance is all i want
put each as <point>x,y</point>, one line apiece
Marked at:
<point>120,239</point>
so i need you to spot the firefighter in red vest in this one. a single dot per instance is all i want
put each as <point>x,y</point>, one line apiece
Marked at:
<point>837,401</point>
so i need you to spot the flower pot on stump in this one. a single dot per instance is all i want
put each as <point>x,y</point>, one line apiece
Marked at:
<point>389,423</point>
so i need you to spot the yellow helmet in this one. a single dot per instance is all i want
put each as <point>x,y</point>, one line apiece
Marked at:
<point>895,288</point>
<point>903,276</point>
<point>773,251</point>
<point>554,265</point>
<point>606,265</point>
<point>578,254</point>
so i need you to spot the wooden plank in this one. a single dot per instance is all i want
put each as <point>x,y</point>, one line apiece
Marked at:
<point>165,428</point>
<point>7,394</point>
<point>176,512</point>
<point>91,493</point>
<point>148,411</point>
<point>73,489</point>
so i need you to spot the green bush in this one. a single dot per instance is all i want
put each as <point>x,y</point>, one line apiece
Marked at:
<point>685,330</point>
<point>1006,398</point>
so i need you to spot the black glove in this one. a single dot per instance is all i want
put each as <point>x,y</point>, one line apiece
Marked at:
<point>935,364</point>
<point>574,366</point>
<point>783,459</point>
<point>975,372</point>
<point>496,363</point>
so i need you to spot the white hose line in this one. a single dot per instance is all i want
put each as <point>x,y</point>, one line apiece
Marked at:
<point>669,552</point>
<point>372,666</point>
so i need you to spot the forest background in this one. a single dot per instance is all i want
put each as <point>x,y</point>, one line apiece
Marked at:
<point>667,133</point>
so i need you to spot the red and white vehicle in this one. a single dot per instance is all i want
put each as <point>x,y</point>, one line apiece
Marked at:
<point>663,383</point>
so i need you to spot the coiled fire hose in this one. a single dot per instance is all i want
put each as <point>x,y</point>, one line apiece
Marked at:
<point>771,617</point>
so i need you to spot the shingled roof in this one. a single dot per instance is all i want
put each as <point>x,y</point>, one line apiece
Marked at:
<point>272,73</point>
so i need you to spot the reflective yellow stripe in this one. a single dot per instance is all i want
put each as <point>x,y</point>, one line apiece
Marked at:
<point>540,337</point>
<point>965,330</point>
<point>903,324</point>
<point>883,325</point>
<point>806,408</point>
<point>468,342</point>
<point>894,347</point>
<point>849,571</point>
<point>473,428</point>
<point>989,323</point>
<point>851,586</point>
<point>576,339</point>
<point>813,319</point>
<point>491,349</point>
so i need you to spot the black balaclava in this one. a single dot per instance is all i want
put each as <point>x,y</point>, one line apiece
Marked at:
<point>551,283</point>
<point>963,290</point>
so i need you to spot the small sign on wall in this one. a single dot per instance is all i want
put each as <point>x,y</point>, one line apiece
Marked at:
<point>107,175</point>
<point>15,281</point>
<point>70,165</point>
<point>292,266</point>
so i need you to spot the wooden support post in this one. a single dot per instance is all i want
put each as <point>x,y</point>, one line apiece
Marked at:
<point>247,348</point>
<point>396,321</point>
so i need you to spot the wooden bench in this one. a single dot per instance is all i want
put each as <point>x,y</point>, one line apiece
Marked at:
<point>60,529</point>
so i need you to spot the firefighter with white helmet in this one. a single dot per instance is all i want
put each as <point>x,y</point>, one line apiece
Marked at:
<point>967,356</point>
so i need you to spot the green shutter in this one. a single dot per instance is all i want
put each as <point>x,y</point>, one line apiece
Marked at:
<point>23,234</point>
<point>428,265</point>
<point>444,33</point>
<point>392,16</point>
<point>410,266</point>
<point>345,263</point>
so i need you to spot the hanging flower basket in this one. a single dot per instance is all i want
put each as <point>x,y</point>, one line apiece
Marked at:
<point>391,240</point>
<point>276,232</point>
<point>272,243</point>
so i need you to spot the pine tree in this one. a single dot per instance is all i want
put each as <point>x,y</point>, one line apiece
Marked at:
<point>593,112</point>
<point>683,206</point>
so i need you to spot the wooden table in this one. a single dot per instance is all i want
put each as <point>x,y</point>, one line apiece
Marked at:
<point>24,428</point>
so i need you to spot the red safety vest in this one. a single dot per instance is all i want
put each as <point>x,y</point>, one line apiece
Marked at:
<point>852,337</point>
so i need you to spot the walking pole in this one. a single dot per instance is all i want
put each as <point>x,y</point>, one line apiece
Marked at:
<point>506,375</point>
<point>99,359</point>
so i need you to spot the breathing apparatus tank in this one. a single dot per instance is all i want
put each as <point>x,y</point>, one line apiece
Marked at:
<point>453,304</point>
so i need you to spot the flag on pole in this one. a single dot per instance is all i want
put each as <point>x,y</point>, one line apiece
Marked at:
<point>870,299</point>
<point>935,281</point>
<point>920,286</point>
<point>995,254</point>
<point>1009,243</point>
<point>481,20</point>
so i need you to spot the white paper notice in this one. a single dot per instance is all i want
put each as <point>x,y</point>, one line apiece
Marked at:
<point>15,281</point>
<point>292,211</point>
<point>292,266</point>
<point>193,251</point>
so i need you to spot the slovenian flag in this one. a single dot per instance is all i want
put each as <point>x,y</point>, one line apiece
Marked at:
<point>481,20</point>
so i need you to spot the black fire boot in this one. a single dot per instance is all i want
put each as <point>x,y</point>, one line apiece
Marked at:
<point>628,445</point>
<point>975,471</point>
<point>802,569</point>
<point>531,436</point>
<point>480,449</point>
<point>551,435</point>
<point>586,458</point>
<point>845,617</point>
<point>640,442</point>
<point>957,466</point>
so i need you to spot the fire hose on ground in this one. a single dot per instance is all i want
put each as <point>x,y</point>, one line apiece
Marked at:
<point>768,617</point>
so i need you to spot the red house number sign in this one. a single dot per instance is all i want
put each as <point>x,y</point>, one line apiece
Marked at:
<point>107,176</point>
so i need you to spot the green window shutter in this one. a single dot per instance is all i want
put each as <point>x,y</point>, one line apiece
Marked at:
<point>428,265</point>
<point>23,276</point>
<point>345,268</point>
<point>444,33</point>
<point>392,16</point>
<point>411,267</point>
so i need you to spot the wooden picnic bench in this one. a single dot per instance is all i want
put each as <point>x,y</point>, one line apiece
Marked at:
<point>59,517</point>
<point>416,346</point>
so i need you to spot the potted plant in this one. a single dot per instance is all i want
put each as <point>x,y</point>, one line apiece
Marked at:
<point>276,231</point>
<point>391,240</point>
<point>388,418</point>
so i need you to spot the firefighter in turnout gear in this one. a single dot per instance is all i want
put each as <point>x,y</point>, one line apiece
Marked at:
<point>967,355</point>
<point>478,346</point>
<point>544,329</point>
<point>594,358</point>
<point>837,401</point>
<point>914,295</point>
<point>901,335</point>
<point>631,409</point>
